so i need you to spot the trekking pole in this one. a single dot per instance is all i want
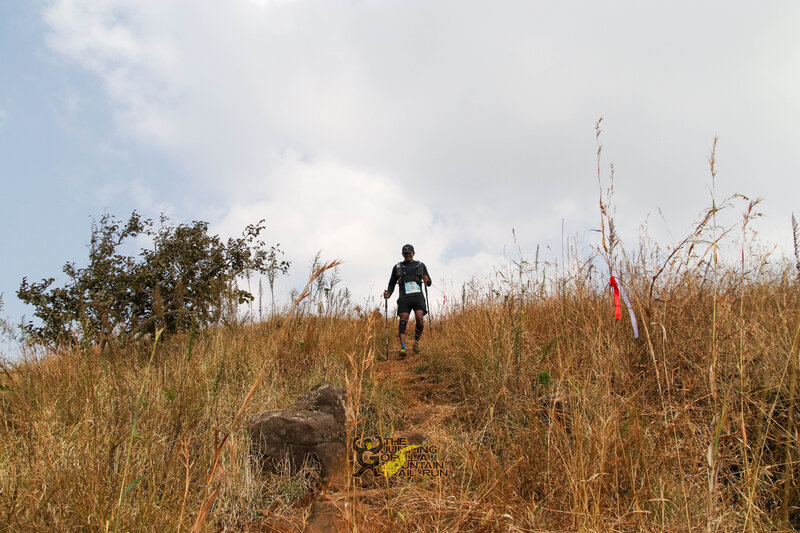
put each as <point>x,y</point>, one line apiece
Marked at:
<point>386,317</point>
<point>421,271</point>
<point>428,305</point>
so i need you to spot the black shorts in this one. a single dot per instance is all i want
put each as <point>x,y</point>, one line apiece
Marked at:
<point>406,303</point>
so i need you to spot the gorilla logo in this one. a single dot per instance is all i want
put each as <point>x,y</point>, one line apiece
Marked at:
<point>368,455</point>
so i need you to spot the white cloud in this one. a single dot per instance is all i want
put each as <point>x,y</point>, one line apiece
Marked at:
<point>137,193</point>
<point>355,127</point>
<point>345,214</point>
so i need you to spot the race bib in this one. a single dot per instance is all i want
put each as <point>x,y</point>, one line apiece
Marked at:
<point>412,287</point>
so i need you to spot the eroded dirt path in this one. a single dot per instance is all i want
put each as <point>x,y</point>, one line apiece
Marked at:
<point>427,407</point>
<point>428,402</point>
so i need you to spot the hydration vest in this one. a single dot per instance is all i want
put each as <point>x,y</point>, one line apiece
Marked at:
<point>411,272</point>
<point>410,276</point>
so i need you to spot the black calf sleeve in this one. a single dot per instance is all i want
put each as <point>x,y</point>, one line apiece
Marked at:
<point>402,327</point>
<point>418,330</point>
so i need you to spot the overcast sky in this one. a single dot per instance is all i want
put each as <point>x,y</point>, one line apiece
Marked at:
<point>354,127</point>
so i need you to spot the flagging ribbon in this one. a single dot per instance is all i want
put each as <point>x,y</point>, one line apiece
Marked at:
<point>617,309</point>
<point>618,291</point>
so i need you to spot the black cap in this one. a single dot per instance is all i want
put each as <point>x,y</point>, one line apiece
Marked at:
<point>408,249</point>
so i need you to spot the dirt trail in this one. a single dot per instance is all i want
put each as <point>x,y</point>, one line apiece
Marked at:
<point>427,406</point>
<point>427,400</point>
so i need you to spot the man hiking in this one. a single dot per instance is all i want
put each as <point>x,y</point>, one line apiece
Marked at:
<point>410,275</point>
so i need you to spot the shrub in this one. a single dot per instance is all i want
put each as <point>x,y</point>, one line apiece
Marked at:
<point>185,281</point>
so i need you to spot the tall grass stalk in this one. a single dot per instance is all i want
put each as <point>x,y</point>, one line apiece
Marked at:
<point>713,447</point>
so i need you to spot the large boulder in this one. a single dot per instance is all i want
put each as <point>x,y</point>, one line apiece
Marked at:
<point>313,435</point>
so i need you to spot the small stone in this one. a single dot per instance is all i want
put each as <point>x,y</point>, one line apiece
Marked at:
<point>412,437</point>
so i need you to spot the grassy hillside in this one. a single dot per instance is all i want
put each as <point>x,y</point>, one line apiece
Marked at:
<point>547,412</point>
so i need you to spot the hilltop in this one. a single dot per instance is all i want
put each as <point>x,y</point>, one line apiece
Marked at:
<point>547,413</point>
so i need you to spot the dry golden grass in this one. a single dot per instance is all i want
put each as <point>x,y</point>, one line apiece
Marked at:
<point>548,413</point>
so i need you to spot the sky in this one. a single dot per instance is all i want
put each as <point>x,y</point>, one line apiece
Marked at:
<point>354,126</point>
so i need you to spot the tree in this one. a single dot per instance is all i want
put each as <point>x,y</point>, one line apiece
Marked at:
<point>183,282</point>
